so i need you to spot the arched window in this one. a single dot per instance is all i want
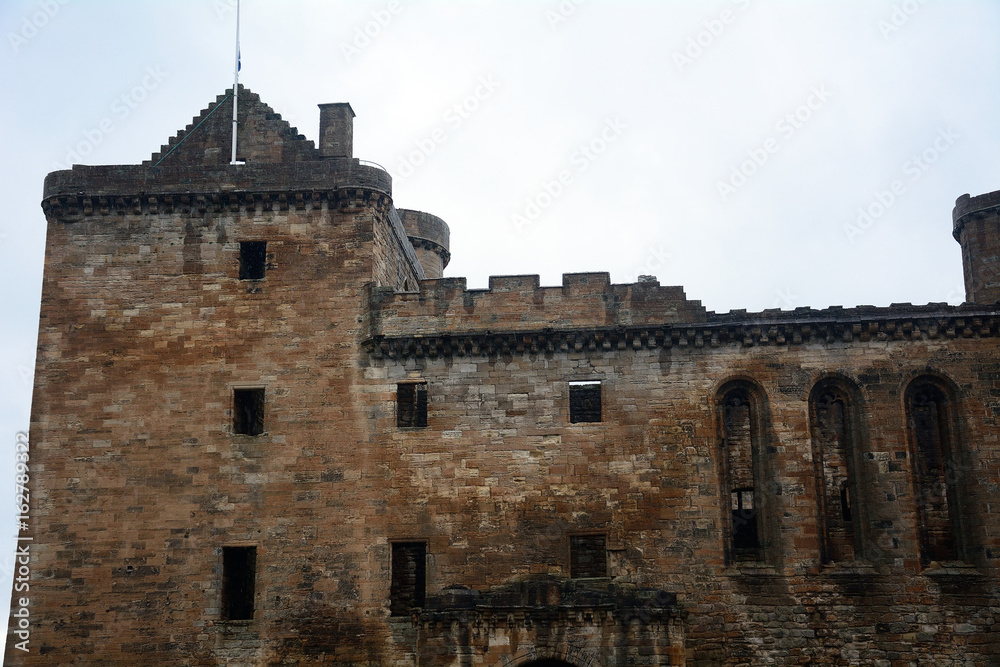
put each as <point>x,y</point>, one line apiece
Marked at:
<point>833,421</point>
<point>930,420</point>
<point>739,421</point>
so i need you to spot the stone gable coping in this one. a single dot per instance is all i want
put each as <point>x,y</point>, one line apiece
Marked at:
<point>264,135</point>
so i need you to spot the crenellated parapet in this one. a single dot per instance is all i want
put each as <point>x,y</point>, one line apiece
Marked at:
<point>515,316</point>
<point>517,303</point>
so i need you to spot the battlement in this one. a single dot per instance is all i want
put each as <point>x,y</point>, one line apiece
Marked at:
<point>518,303</point>
<point>967,207</point>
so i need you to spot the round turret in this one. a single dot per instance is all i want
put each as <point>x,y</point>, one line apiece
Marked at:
<point>977,229</point>
<point>430,236</point>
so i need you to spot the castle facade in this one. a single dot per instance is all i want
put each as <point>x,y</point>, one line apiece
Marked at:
<point>266,430</point>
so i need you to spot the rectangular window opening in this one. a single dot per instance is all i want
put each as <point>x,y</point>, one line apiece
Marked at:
<point>411,404</point>
<point>588,556</point>
<point>745,538</point>
<point>409,577</point>
<point>253,260</point>
<point>585,401</point>
<point>239,566</point>
<point>248,411</point>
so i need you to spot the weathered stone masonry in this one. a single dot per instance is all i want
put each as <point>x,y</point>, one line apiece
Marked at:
<point>797,487</point>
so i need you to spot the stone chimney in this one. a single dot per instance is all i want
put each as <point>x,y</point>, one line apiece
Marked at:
<point>336,130</point>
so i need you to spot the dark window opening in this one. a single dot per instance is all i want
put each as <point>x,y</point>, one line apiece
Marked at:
<point>929,421</point>
<point>584,402</point>
<point>845,503</point>
<point>746,541</point>
<point>253,260</point>
<point>739,443</point>
<point>411,404</point>
<point>588,556</point>
<point>239,566</point>
<point>248,411</point>
<point>832,422</point>
<point>409,577</point>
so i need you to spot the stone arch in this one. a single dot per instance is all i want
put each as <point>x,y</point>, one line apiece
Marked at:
<point>742,416</point>
<point>933,435</point>
<point>555,656</point>
<point>836,430</point>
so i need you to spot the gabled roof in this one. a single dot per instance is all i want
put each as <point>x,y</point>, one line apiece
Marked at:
<point>263,137</point>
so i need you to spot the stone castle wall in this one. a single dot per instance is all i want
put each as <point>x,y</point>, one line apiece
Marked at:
<point>140,480</point>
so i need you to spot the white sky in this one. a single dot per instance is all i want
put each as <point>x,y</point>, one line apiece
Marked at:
<point>888,81</point>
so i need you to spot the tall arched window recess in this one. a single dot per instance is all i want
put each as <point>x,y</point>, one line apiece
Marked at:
<point>932,429</point>
<point>834,420</point>
<point>740,411</point>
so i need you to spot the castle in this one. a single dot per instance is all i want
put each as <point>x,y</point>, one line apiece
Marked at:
<point>266,430</point>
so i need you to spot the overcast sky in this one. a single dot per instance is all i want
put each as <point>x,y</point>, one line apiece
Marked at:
<point>761,153</point>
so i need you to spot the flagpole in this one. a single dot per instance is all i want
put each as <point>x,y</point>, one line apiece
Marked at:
<point>236,80</point>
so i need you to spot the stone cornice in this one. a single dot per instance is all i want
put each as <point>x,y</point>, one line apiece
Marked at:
<point>72,208</point>
<point>307,176</point>
<point>831,326</point>
<point>437,248</point>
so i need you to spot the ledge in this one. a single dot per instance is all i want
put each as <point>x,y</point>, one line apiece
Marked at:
<point>751,570</point>
<point>949,569</point>
<point>849,569</point>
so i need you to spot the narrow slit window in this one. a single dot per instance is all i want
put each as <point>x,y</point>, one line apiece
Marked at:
<point>845,503</point>
<point>239,566</point>
<point>588,556</point>
<point>746,541</point>
<point>409,577</point>
<point>253,260</point>
<point>739,448</point>
<point>248,411</point>
<point>584,402</point>
<point>411,404</point>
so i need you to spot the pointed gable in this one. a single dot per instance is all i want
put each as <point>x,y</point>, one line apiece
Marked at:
<point>264,138</point>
